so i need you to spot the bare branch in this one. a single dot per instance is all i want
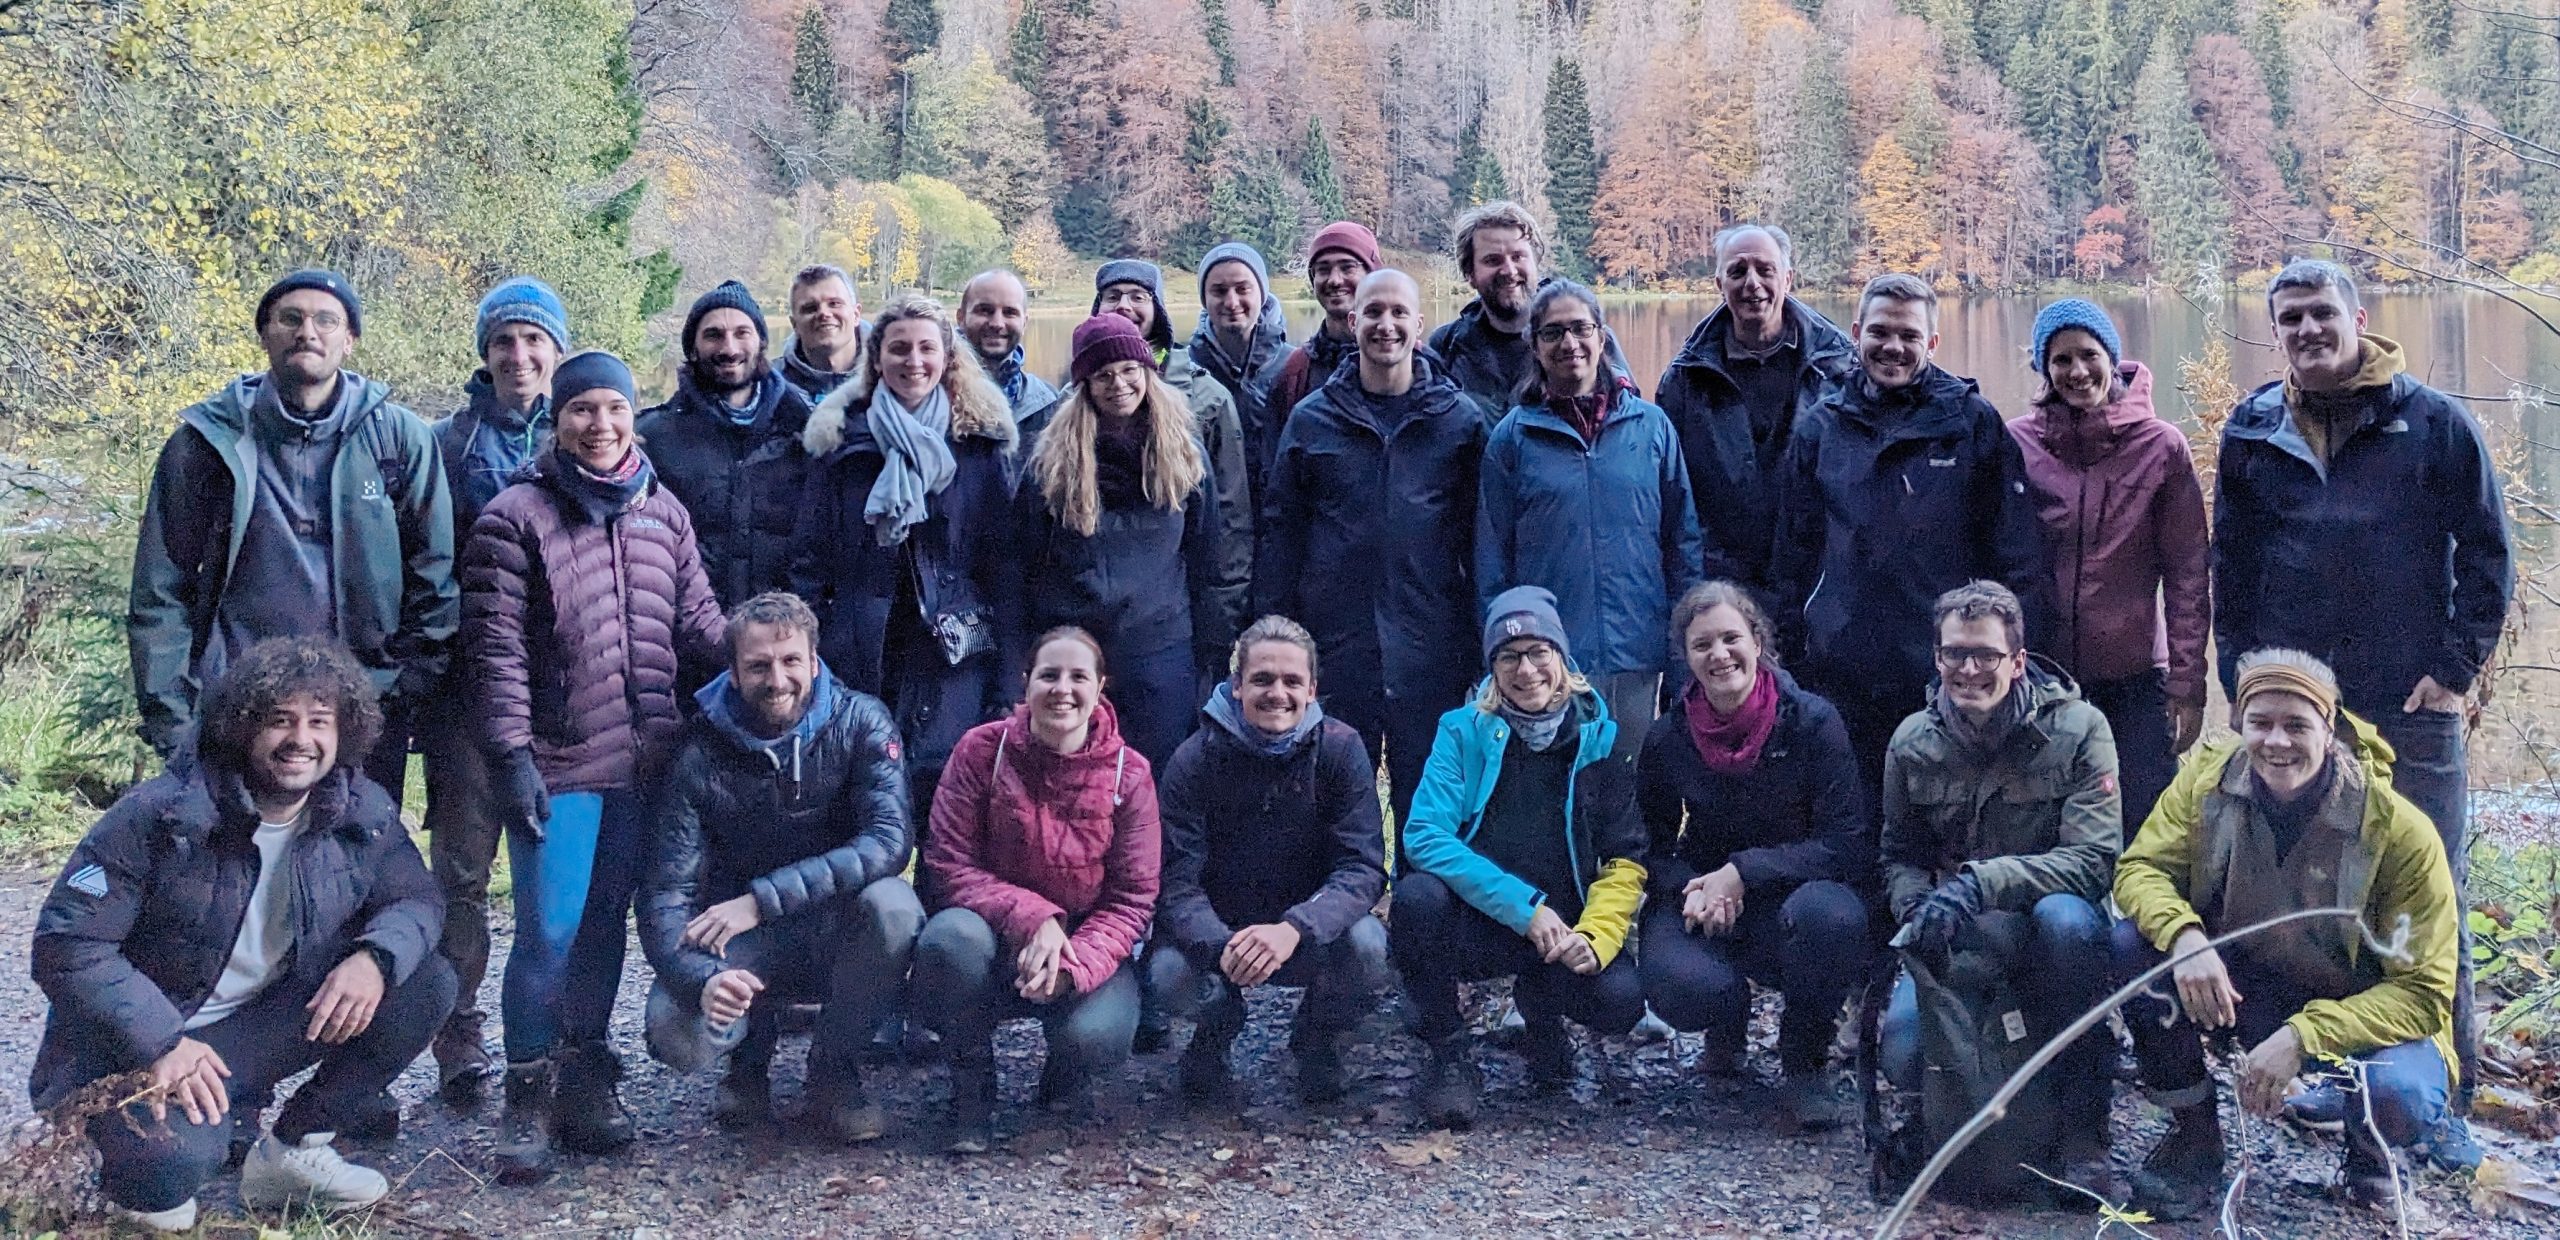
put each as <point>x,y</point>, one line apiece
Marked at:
<point>2431,117</point>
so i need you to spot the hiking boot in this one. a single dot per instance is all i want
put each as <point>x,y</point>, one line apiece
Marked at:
<point>1813,1101</point>
<point>2182,1177</point>
<point>1321,1078</point>
<point>524,1133</point>
<point>2448,1146</point>
<point>1204,1076</point>
<point>377,1124</point>
<point>1452,1086</point>
<point>1549,1050</point>
<point>2366,1169</point>
<point>2321,1108</point>
<point>973,1103</point>
<point>463,1066</point>
<point>178,1218</point>
<point>838,1101</point>
<point>1065,1091</point>
<point>307,1174</point>
<point>586,1112</point>
<point>744,1097</point>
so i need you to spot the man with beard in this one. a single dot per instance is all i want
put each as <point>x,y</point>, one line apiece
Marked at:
<point>1486,347</point>
<point>992,307</point>
<point>523,333</point>
<point>1901,484</point>
<point>1342,255</point>
<point>1371,514</point>
<point>1736,388</point>
<point>826,331</point>
<point>1241,331</point>
<point>231,923</point>
<point>773,873</point>
<point>296,502</point>
<point>728,446</point>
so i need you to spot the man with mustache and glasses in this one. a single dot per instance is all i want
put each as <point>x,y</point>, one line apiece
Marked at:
<point>250,914</point>
<point>992,307</point>
<point>1901,484</point>
<point>728,446</point>
<point>1486,348</point>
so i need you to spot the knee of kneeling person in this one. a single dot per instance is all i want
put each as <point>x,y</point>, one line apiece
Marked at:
<point>2067,922</point>
<point>1363,950</point>
<point>1826,916</point>
<point>956,939</point>
<point>1172,980</point>
<point>147,1168</point>
<point>891,911</point>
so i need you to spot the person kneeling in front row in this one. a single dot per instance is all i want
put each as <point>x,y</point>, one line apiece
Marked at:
<point>1274,855</point>
<point>2297,813</point>
<point>773,873</point>
<point>237,920</point>
<point>1525,849</point>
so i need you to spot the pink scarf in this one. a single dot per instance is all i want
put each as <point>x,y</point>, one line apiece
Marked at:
<point>1730,744</point>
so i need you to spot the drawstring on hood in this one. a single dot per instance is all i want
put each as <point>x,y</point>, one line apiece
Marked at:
<point>1227,711</point>
<point>2325,419</point>
<point>725,709</point>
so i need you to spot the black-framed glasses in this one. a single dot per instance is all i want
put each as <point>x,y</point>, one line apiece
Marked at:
<point>1970,658</point>
<point>1582,330</point>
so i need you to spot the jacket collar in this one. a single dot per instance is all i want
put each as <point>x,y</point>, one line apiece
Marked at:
<point>723,711</point>
<point>481,407</point>
<point>2048,689</point>
<point>1932,404</point>
<point>1823,346</point>
<point>1595,733</point>
<point>1435,394</point>
<point>217,802</point>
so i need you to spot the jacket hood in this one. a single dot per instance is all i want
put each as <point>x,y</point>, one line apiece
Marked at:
<point>216,800</point>
<point>2079,439</point>
<point>1932,404</point>
<point>1819,337</point>
<point>1225,713</point>
<point>480,403</point>
<point>1102,741</point>
<point>1432,387</point>
<point>979,410</point>
<point>724,711</point>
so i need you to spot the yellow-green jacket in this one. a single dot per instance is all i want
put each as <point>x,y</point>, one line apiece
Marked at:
<point>2365,848</point>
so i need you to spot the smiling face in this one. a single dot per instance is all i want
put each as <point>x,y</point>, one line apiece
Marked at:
<point>1755,280</point>
<point>1388,323</point>
<point>1503,270</point>
<point>2287,739</point>
<point>1336,275</point>
<point>1567,339</point>
<point>307,337</point>
<point>991,312</point>
<point>1132,302</point>
<point>2078,369</point>
<point>774,667</point>
<point>520,359</point>
<point>1723,655</point>
<point>1065,684</point>
<point>2318,330</point>
<point>594,428</point>
<point>825,319</point>
<point>1895,339</point>
<point>1529,672</point>
<point>295,745</point>
<point>1977,664</point>
<point>1118,389</point>
<point>1276,683</point>
<point>911,359</point>
<point>727,351</point>
<point>1232,296</point>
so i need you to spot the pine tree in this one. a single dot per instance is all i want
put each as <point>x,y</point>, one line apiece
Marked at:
<point>1573,168</point>
<point>1820,194</point>
<point>2176,184</point>
<point>2050,113</point>
<point>1315,168</point>
<point>1463,166</point>
<point>1220,36</point>
<point>2266,42</point>
<point>1207,136</point>
<point>815,78</point>
<point>1027,60</point>
<point>910,28</point>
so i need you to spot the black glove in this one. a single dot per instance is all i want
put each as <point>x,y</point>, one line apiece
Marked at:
<point>1935,920</point>
<point>526,802</point>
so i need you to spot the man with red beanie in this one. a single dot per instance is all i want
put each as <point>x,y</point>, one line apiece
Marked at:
<point>1342,255</point>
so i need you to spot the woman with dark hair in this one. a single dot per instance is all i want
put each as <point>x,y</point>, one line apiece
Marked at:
<point>1117,532</point>
<point>902,529</point>
<point>583,593</point>
<point>1760,842</point>
<point>1041,868</point>
<point>1584,491</point>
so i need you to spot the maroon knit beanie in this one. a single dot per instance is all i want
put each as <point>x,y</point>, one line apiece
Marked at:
<point>1352,239</point>
<point>1104,339</point>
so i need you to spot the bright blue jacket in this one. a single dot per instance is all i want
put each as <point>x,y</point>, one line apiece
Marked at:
<point>1610,528</point>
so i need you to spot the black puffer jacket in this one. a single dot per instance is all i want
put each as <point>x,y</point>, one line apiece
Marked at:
<point>819,813</point>
<point>1252,840</point>
<point>740,481</point>
<point>138,927</point>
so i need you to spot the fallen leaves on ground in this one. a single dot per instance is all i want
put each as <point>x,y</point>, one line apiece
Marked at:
<point>2504,1188</point>
<point>1422,1151</point>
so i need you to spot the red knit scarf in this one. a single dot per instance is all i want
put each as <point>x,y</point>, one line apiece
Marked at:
<point>1731,744</point>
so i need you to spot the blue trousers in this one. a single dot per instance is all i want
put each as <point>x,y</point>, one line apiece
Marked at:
<point>573,891</point>
<point>2064,972</point>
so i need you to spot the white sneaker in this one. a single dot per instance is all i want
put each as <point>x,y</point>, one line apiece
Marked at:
<point>180,1217</point>
<point>278,1176</point>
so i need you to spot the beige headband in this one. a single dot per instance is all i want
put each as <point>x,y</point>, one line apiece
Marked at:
<point>2284,678</point>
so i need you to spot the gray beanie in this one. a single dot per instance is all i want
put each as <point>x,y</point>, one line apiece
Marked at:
<point>1524,611</point>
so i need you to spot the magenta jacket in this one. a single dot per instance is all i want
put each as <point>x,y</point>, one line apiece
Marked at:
<point>2122,509</point>
<point>1021,834</point>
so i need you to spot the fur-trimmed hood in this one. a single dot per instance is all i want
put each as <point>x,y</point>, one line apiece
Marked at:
<point>978,409</point>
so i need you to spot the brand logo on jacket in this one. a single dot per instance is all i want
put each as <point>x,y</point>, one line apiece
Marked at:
<point>90,880</point>
<point>373,488</point>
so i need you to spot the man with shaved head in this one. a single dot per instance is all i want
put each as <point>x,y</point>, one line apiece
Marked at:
<point>1734,392</point>
<point>1369,511</point>
<point>992,306</point>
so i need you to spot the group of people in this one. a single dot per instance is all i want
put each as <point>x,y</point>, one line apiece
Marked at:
<point>1809,660</point>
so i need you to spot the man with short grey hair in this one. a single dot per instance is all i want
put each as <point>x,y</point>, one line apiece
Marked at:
<point>2358,516</point>
<point>826,331</point>
<point>1734,392</point>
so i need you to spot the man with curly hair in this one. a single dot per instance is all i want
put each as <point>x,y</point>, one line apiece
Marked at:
<point>248,915</point>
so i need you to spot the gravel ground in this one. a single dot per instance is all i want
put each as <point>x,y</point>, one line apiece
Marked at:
<point>1642,1149</point>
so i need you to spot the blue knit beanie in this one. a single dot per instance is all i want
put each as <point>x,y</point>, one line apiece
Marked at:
<point>329,282</point>
<point>1524,611</point>
<point>2074,312</point>
<point>523,299</point>
<point>585,372</point>
<point>731,295</point>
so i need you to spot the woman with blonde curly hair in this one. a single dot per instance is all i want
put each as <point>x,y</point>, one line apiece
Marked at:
<point>1116,532</point>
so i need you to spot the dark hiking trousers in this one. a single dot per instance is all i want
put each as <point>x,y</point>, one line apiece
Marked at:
<point>1341,978</point>
<point>1812,946</point>
<point>1440,940</point>
<point>2137,711</point>
<point>964,989</point>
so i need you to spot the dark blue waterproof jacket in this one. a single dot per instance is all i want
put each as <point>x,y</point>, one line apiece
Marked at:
<point>1609,527</point>
<point>739,473</point>
<point>1733,474</point>
<point>1368,541</point>
<point>1888,500</point>
<point>2390,565</point>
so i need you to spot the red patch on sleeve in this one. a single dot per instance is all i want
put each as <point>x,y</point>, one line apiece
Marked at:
<point>897,753</point>
<point>2106,781</point>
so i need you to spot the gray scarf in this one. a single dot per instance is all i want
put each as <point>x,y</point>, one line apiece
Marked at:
<point>1538,732</point>
<point>1988,736</point>
<point>916,462</point>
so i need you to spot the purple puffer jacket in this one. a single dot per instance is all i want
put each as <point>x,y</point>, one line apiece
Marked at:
<point>574,632</point>
<point>2122,509</point>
